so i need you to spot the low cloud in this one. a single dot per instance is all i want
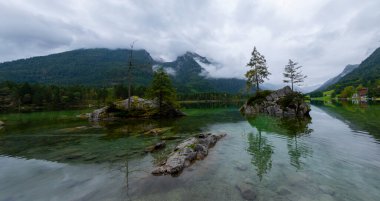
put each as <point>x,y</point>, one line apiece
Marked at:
<point>322,35</point>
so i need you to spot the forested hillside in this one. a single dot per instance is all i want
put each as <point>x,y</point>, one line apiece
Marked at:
<point>105,67</point>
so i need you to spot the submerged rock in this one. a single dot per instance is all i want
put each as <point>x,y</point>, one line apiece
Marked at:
<point>83,116</point>
<point>246,190</point>
<point>138,108</point>
<point>156,147</point>
<point>195,148</point>
<point>281,103</point>
<point>157,131</point>
<point>1,123</point>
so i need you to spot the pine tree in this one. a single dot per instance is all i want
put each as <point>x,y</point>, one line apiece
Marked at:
<point>162,89</point>
<point>258,70</point>
<point>293,74</point>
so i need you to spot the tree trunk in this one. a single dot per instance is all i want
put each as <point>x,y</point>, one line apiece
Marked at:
<point>257,84</point>
<point>292,84</point>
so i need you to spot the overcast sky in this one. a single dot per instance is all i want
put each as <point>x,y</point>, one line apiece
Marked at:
<point>322,35</point>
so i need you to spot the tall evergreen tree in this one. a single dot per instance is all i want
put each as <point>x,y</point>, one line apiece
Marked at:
<point>162,88</point>
<point>258,70</point>
<point>293,74</point>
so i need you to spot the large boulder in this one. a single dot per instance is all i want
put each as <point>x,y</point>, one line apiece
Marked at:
<point>195,148</point>
<point>138,108</point>
<point>281,103</point>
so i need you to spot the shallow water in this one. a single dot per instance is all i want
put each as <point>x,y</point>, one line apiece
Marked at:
<point>56,156</point>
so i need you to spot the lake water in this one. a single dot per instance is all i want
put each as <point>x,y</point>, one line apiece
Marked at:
<point>56,156</point>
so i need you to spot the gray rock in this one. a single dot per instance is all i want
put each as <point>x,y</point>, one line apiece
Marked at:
<point>195,148</point>
<point>271,106</point>
<point>246,190</point>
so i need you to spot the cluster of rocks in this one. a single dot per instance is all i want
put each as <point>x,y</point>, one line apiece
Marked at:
<point>195,148</point>
<point>271,106</point>
<point>137,108</point>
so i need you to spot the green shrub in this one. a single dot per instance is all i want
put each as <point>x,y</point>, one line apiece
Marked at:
<point>259,97</point>
<point>291,100</point>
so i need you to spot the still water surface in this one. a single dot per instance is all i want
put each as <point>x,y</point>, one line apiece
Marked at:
<point>56,156</point>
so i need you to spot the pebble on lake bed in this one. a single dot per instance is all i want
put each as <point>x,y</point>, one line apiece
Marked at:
<point>246,190</point>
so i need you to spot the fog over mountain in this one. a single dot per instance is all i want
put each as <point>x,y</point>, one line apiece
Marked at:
<point>322,35</point>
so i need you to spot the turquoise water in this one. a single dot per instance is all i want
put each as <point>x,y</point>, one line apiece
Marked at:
<point>56,156</point>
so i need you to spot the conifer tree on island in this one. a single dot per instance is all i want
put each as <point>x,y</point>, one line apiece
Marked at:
<point>258,70</point>
<point>293,74</point>
<point>162,89</point>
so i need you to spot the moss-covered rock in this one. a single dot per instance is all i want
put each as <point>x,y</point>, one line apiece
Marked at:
<point>281,103</point>
<point>190,150</point>
<point>138,108</point>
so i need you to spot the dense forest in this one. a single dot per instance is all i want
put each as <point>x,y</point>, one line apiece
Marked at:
<point>28,97</point>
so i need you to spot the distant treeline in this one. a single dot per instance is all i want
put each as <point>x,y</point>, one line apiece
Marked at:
<point>32,96</point>
<point>346,91</point>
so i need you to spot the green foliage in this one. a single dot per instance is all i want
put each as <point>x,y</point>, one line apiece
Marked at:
<point>162,89</point>
<point>14,96</point>
<point>259,97</point>
<point>347,92</point>
<point>258,70</point>
<point>91,67</point>
<point>328,94</point>
<point>291,100</point>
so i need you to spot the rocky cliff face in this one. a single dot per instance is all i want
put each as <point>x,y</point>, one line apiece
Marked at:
<point>139,108</point>
<point>281,103</point>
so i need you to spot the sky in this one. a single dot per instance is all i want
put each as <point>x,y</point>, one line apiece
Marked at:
<point>321,35</point>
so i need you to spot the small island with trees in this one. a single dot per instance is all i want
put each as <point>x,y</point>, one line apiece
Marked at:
<point>284,102</point>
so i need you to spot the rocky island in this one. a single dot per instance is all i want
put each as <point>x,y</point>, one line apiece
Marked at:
<point>137,108</point>
<point>281,103</point>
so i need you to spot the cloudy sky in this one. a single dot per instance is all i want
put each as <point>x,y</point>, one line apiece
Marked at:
<point>322,35</point>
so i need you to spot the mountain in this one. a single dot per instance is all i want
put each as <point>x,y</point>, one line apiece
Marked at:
<point>98,67</point>
<point>105,67</point>
<point>348,69</point>
<point>303,89</point>
<point>366,74</point>
<point>190,76</point>
<point>368,71</point>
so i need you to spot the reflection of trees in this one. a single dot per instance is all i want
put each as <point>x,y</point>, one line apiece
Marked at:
<point>130,175</point>
<point>292,128</point>
<point>296,128</point>
<point>261,152</point>
<point>357,117</point>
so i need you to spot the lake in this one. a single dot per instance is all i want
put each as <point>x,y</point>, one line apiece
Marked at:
<point>57,156</point>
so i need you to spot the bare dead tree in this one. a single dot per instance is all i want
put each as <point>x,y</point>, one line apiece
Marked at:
<point>130,65</point>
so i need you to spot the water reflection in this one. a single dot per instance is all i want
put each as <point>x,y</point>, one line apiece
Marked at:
<point>261,152</point>
<point>291,128</point>
<point>61,137</point>
<point>359,117</point>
